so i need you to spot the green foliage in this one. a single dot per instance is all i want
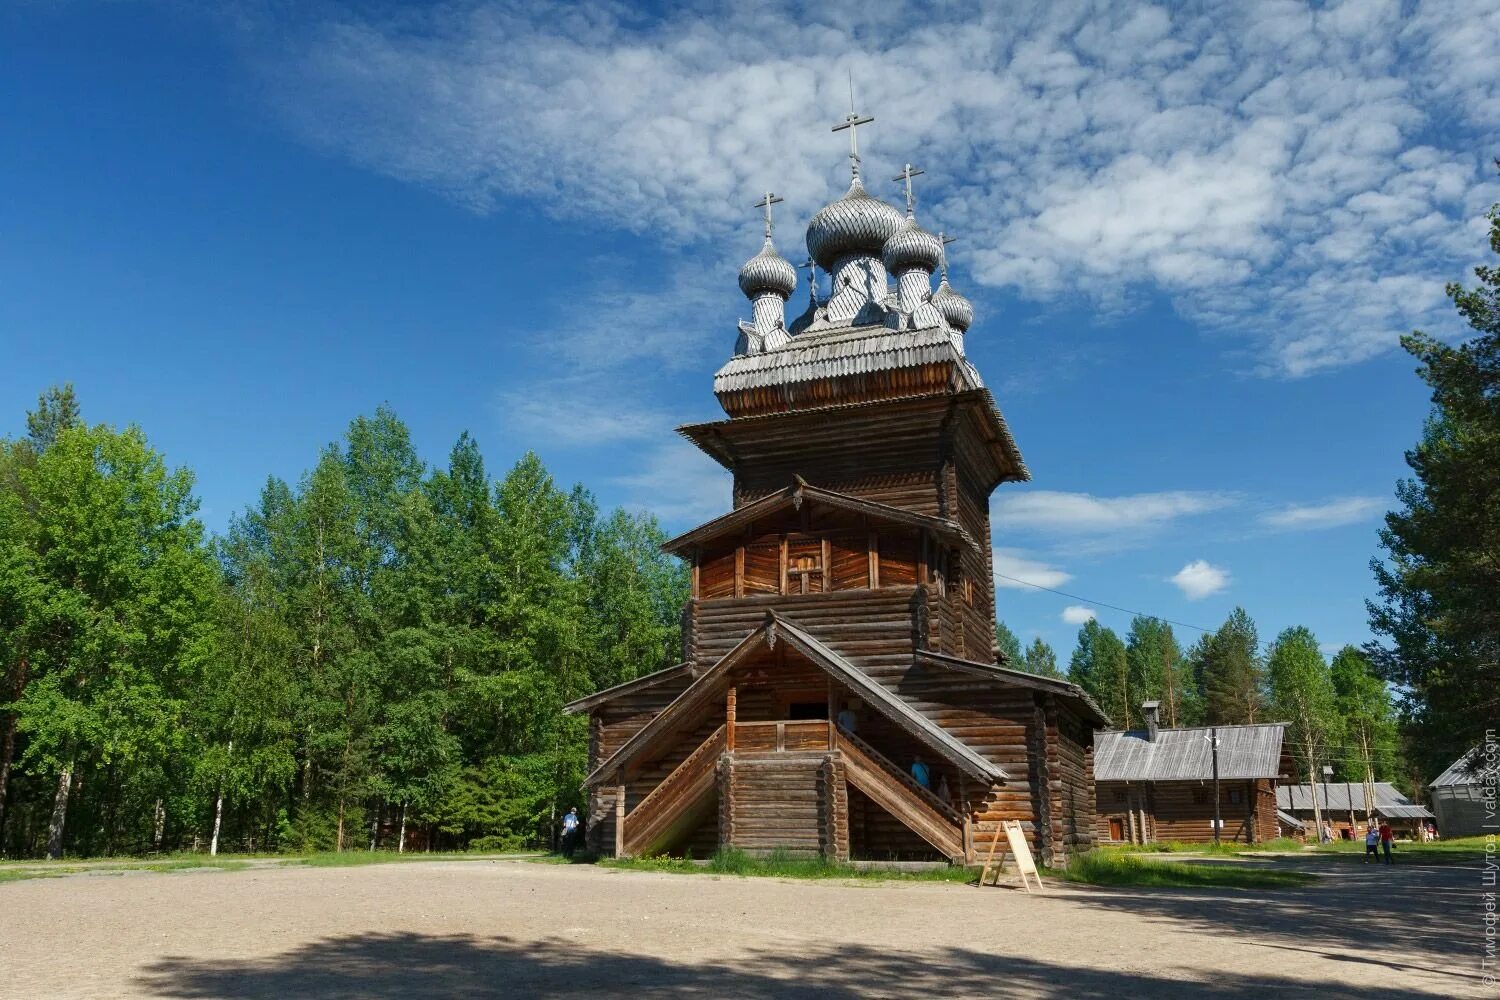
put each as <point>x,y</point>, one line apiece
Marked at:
<point>1226,666</point>
<point>1156,671</point>
<point>1369,749</point>
<point>1302,695</point>
<point>377,650</point>
<point>1041,659</point>
<point>1009,646</point>
<point>1105,867</point>
<point>1099,666</point>
<point>1440,574</point>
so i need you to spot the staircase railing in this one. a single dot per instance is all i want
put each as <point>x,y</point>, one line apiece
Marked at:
<point>911,784</point>
<point>892,789</point>
<point>655,811</point>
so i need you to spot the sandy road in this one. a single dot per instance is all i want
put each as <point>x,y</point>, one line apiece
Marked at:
<point>521,929</point>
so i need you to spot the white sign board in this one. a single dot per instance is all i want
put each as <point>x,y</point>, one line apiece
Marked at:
<point>1019,848</point>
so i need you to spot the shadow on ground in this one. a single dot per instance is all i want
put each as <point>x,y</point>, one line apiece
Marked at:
<point>407,965</point>
<point>1406,918</point>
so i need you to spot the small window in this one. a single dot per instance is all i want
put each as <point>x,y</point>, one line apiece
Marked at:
<point>1233,796</point>
<point>1119,795</point>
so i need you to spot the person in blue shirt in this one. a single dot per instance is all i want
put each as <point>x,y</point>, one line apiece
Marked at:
<point>921,773</point>
<point>570,832</point>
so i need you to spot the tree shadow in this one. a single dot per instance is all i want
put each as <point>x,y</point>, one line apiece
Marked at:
<point>1407,918</point>
<point>380,966</point>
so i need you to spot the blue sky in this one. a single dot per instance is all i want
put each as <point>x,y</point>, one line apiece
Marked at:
<point>1192,237</point>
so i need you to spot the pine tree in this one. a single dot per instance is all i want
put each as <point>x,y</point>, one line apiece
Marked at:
<point>1008,645</point>
<point>1440,576</point>
<point>1041,659</point>
<point>1232,675</point>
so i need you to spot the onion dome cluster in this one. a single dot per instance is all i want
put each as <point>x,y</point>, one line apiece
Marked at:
<point>957,311</point>
<point>857,223</point>
<point>768,271</point>
<point>912,247</point>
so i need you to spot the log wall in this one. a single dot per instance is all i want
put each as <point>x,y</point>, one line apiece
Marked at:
<point>1184,810</point>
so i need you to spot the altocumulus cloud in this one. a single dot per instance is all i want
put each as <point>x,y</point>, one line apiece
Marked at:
<point>1304,177</point>
<point>1200,579</point>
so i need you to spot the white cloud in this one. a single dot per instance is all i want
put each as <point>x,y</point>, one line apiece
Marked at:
<point>1200,579</point>
<point>680,485</point>
<point>1059,512</point>
<point>1018,567</point>
<point>531,410</point>
<point>1303,179</point>
<point>1333,514</point>
<point>1075,614</point>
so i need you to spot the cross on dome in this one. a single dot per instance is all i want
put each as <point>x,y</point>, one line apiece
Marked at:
<point>766,203</point>
<point>945,240</point>
<point>852,121</point>
<point>906,175</point>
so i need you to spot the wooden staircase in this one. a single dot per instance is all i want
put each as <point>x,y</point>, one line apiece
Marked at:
<point>676,805</point>
<point>899,794</point>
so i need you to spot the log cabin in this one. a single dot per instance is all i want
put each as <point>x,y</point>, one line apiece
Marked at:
<point>1157,784</point>
<point>1464,796</point>
<point>1348,809</point>
<point>839,635</point>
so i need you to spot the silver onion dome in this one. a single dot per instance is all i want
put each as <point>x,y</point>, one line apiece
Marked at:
<point>855,224</point>
<point>768,271</point>
<point>912,247</point>
<point>957,311</point>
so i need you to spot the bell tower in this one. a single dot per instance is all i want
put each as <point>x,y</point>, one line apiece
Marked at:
<point>869,397</point>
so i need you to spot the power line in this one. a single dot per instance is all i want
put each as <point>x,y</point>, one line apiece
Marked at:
<point>1105,604</point>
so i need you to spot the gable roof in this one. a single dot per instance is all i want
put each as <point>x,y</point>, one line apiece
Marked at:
<point>1337,795</point>
<point>1470,769</point>
<point>1245,752</point>
<point>1054,685</point>
<point>642,683</point>
<point>1341,796</point>
<point>794,495</point>
<point>775,628</point>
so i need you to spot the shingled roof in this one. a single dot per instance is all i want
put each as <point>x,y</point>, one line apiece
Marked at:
<point>1342,796</point>
<point>1245,752</point>
<point>1470,769</point>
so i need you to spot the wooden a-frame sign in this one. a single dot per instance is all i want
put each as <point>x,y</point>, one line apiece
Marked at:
<point>1015,838</point>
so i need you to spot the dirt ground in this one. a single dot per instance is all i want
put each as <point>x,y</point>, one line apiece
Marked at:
<point>523,929</point>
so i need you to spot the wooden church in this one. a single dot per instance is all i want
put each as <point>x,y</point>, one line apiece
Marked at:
<point>839,638</point>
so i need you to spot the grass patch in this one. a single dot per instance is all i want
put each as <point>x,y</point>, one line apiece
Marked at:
<point>349,859</point>
<point>779,864</point>
<point>1457,849</point>
<point>57,869</point>
<point>1122,869</point>
<point>1224,848</point>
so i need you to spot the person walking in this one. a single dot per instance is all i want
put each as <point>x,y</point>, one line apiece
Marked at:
<point>1372,844</point>
<point>570,832</point>
<point>1387,840</point>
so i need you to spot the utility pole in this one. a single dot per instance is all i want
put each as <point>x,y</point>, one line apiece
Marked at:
<point>1327,802</point>
<point>1213,742</point>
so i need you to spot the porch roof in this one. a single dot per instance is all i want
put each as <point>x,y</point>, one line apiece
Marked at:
<point>712,683</point>
<point>642,683</point>
<point>800,491</point>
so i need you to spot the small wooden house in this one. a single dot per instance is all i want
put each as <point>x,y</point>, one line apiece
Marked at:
<point>1157,784</point>
<point>839,635</point>
<point>1464,796</point>
<point>1344,808</point>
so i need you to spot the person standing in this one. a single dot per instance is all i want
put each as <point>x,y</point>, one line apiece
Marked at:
<point>1387,839</point>
<point>921,773</point>
<point>846,719</point>
<point>570,832</point>
<point>1372,844</point>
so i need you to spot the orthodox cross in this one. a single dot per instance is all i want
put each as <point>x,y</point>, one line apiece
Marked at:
<point>906,175</point>
<point>812,279</point>
<point>945,240</point>
<point>766,203</point>
<point>852,121</point>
